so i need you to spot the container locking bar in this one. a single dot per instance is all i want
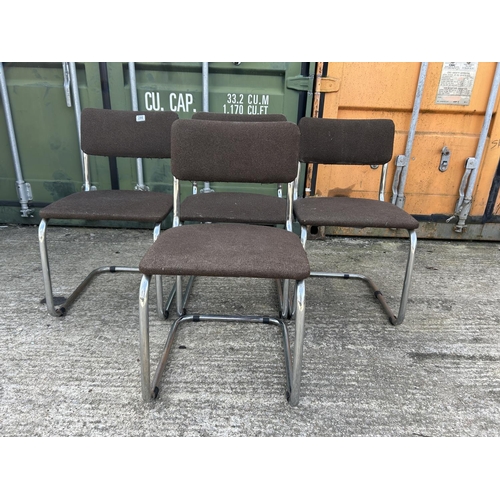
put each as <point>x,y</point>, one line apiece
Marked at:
<point>140,186</point>
<point>23,188</point>
<point>402,161</point>
<point>71,88</point>
<point>464,203</point>
<point>206,107</point>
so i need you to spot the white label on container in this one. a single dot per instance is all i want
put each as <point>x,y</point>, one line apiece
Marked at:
<point>140,118</point>
<point>457,81</point>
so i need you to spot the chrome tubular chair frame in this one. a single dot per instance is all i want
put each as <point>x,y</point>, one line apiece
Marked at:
<point>393,318</point>
<point>121,134</point>
<point>354,142</point>
<point>228,249</point>
<point>60,309</point>
<point>151,388</point>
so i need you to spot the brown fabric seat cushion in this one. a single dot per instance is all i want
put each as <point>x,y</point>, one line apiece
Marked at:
<point>230,250</point>
<point>234,207</point>
<point>138,206</point>
<point>351,212</point>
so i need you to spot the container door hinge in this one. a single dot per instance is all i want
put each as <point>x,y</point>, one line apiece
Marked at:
<point>300,83</point>
<point>327,84</point>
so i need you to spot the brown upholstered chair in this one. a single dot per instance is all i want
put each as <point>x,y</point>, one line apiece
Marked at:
<point>104,132</point>
<point>218,151</point>
<point>354,142</point>
<point>240,206</point>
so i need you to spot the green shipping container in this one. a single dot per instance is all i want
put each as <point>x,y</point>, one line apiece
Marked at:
<point>45,100</point>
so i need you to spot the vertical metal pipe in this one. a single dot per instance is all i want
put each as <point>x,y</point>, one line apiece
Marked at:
<point>206,106</point>
<point>204,71</point>
<point>402,162</point>
<point>467,203</point>
<point>296,183</point>
<point>135,107</point>
<point>289,206</point>
<point>486,127</point>
<point>23,188</point>
<point>175,223</point>
<point>158,278</point>
<point>87,186</point>
<point>177,201</point>
<point>76,98</point>
<point>303,236</point>
<point>133,86</point>
<point>78,110</point>
<point>383,178</point>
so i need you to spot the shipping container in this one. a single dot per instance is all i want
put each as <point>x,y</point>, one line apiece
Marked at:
<point>446,165</point>
<point>41,103</point>
<point>445,168</point>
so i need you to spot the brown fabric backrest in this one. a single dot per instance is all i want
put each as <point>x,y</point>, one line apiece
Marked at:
<point>218,151</point>
<point>134,134</point>
<point>345,141</point>
<point>227,117</point>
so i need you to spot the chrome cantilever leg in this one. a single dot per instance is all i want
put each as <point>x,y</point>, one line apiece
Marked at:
<point>393,318</point>
<point>49,297</point>
<point>144,337</point>
<point>61,309</point>
<point>293,369</point>
<point>409,271</point>
<point>300,303</point>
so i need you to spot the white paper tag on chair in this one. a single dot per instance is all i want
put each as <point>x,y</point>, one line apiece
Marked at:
<point>140,118</point>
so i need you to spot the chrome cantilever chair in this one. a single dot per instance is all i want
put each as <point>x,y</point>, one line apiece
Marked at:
<point>354,142</point>
<point>218,151</point>
<point>106,132</point>
<point>242,207</point>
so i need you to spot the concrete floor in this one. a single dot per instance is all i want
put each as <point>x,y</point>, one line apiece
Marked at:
<point>437,374</point>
